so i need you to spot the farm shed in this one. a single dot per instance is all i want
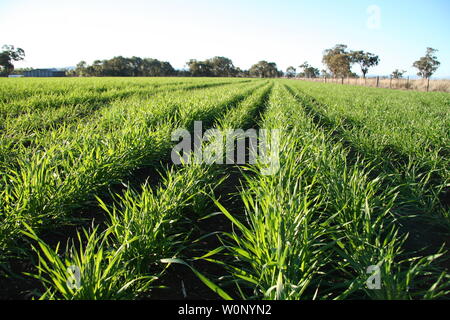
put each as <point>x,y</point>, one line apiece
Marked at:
<point>45,73</point>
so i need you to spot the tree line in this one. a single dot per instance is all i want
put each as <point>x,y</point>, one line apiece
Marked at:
<point>339,61</point>
<point>124,67</point>
<point>148,67</point>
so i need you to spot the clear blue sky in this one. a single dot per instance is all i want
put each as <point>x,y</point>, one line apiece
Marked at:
<point>59,33</point>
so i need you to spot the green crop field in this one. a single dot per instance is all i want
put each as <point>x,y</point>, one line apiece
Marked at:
<point>93,207</point>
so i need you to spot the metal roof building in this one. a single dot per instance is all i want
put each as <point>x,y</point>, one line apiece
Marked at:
<point>45,73</point>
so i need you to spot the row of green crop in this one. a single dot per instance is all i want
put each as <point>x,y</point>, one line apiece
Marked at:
<point>23,135</point>
<point>43,111</point>
<point>405,134</point>
<point>20,89</point>
<point>310,231</point>
<point>22,98</point>
<point>321,226</point>
<point>143,228</point>
<point>410,123</point>
<point>73,163</point>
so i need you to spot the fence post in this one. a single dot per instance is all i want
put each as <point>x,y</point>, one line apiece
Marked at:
<point>407,84</point>
<point>428,84</point>
<point>390,82</point>
<point>378,81</point>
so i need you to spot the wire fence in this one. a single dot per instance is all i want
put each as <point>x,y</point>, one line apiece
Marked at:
<point>389,83</point>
